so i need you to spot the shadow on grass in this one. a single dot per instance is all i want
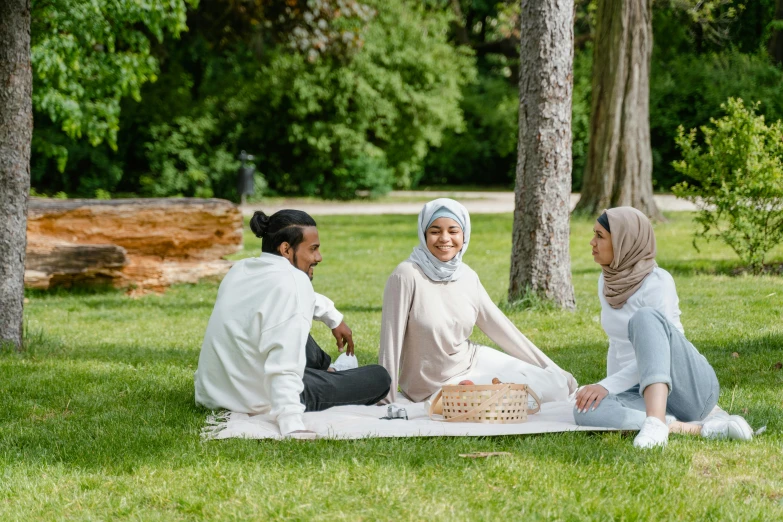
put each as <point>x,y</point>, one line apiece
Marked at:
<point>356,308</point>
<point>726,267</point>
<point>75,291</point>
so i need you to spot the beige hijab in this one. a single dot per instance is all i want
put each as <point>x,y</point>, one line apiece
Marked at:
<point>633,241</point>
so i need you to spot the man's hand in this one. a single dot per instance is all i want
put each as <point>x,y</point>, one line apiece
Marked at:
<point>344,337</point>
<point>590,397</point>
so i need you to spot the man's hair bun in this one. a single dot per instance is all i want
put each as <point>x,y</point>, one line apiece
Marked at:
<point>259,223</point>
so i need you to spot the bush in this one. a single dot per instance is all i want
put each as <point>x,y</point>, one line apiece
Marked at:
<point>186,158</point>
<point>484,152</point>
<point>333,127</point>
<point>739,181</point>
<point>688,89</point>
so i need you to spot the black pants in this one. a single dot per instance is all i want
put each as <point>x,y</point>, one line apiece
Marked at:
<point>322,389</point>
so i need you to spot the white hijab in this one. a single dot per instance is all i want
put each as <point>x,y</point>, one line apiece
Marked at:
<point>434,268</point>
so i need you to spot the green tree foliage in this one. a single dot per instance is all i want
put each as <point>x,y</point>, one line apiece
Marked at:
<point>705,53</point>
<point>739,181</point>
<point>358,114</point>
<point>339,96</point>
<point>485,151</point>
<point>332,128</point>
<point>87,56</point>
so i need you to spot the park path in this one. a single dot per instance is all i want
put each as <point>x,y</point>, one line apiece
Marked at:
<point>410,202</point>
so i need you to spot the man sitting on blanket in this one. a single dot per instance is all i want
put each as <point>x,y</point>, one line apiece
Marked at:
<point>257,355</point>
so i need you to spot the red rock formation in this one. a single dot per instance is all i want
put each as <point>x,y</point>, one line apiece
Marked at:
<point>141,244</point>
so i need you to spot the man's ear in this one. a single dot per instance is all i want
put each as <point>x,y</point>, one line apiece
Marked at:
<point>285,250</point>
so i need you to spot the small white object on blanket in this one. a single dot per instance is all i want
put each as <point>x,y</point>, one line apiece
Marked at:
<point>360,422</point>
<point>345,362</point>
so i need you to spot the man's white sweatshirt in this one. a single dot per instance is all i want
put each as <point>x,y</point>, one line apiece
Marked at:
<point>253,356</point>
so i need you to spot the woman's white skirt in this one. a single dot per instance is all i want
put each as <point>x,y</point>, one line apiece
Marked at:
<point>549,383</point>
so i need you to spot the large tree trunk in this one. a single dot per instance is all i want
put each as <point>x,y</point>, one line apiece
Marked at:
<point>776,40</point>
<point>540,258</point>
<point>16,132</point>
<point>619,161</point>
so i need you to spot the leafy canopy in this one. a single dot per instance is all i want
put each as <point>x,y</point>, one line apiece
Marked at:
<point>89,54</point>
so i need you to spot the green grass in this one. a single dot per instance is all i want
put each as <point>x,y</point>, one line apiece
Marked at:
<point>397,197</point>
<point>98,419</point>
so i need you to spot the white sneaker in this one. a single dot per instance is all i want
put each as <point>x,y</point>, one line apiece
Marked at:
<point>345,362</point>
<point>654,433</point>
<point>734,427</point>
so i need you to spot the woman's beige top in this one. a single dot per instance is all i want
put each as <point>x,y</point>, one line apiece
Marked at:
<point>425,328</point>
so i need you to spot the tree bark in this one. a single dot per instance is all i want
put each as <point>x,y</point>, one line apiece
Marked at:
<point>16,132</point>
<point>619,160</point>
<point>540,257</point>
<point>775,46</point>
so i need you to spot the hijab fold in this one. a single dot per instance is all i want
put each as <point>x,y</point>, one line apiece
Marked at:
<point>633,241</point>
<point>433,267</point>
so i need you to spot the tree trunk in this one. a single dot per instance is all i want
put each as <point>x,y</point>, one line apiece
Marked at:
<point>776,40</point>
<point>16,132</point>
<point>540,258</point>
<point>619,161</point>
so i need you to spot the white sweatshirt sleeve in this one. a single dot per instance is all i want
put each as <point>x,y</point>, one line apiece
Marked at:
<point>662,296</point>
<point>284,367</point>
<point>493,322</point>
<point>326,312</point>
<point>624,379</point>
<point>397,301</point>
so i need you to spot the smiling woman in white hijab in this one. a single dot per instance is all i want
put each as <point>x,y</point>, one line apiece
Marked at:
<point>432,302</point>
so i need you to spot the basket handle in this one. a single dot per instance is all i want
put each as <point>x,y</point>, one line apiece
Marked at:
<point>434,401</point>
<point>481,406</point>
<point>538,401</point>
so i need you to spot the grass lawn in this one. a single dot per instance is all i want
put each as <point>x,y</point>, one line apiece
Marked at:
<point>98,419</point>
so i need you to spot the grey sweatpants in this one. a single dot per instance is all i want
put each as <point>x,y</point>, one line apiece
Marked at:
<point>663,354</point>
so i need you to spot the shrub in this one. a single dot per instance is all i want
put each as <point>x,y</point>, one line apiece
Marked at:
<point>333,127</point>
<point>484,152</point>
<point>687,89</point>
<point>738,178</point>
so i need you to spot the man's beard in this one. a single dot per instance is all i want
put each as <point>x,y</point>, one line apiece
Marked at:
<point>296,264</point>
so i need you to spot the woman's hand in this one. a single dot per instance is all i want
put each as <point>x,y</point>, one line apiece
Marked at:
<point>590,397</point>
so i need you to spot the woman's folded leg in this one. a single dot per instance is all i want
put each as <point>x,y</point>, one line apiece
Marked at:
<point>622,411</point>
<point>549,385</point>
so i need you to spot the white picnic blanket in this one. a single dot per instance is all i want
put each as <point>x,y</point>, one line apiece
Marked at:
<point>359,422</point>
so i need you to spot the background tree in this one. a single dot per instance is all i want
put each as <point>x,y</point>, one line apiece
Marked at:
<point>16,132</point>
<point>540,257</point>
<point>484,152</point>
<point>776,40</point>
<point>332,95</point>
<point>619,161</point>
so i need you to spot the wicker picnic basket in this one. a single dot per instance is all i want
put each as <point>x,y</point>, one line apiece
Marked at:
<point>485,403</point>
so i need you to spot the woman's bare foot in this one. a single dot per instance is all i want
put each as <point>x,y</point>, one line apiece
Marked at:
<point>684,428</point>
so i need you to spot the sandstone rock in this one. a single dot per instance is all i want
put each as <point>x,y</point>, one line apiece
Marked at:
<point>143,244</point>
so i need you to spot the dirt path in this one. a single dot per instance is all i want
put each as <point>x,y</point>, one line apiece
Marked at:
<point>410,202</point>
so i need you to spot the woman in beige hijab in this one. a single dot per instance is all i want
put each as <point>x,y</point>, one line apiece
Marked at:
<point>657,382</point>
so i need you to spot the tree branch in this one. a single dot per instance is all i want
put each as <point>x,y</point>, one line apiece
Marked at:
<point>460,31</point>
